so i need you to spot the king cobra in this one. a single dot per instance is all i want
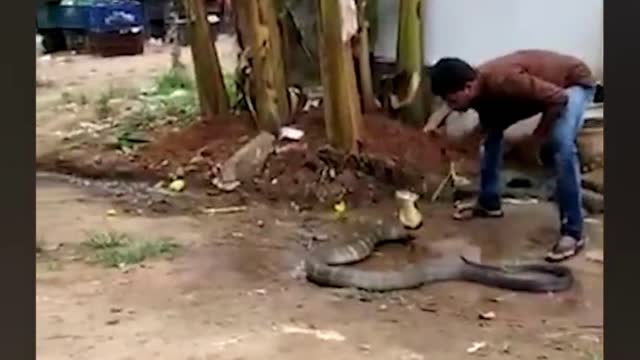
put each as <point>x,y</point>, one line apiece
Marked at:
<point>322,267</point>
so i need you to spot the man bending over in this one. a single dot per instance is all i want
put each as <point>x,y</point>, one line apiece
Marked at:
<point>512,88</point>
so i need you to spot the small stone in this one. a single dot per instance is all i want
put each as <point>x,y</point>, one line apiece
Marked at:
<point>115,310</point>
<point>476,346</point>
<point>320,237</point>
<point>382,307</point>
<point>260,223</point>
<point>596,255</point>
<point>112,212</point>
<point>247,161</point>
<point>113,322</point>
<point>364,347</point>
<point>428,308</point>
<point>487,316</point>
<point>177,185</point>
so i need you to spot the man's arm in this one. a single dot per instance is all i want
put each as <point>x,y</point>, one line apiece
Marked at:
<point>527,86</point>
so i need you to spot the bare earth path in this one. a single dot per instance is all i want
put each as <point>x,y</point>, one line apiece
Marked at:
<point>235,292</point>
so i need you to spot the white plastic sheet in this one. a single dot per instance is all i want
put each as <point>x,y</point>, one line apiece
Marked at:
<point>349,13</point>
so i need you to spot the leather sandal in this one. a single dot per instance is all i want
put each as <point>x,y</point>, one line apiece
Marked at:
<point>474,210</point>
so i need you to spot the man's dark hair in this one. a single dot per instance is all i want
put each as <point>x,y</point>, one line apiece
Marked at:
<point>450,75</point>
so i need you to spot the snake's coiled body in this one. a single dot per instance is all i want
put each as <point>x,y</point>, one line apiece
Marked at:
<point>322,266</point>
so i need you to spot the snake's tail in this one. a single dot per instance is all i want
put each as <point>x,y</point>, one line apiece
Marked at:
<point>529,277</point>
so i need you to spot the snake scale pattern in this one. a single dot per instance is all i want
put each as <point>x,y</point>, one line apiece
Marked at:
<point>325,266</point>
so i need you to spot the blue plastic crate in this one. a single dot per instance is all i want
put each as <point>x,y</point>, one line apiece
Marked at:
<point>73,17</point>
<point>116,16</point>
<point>62,16</point>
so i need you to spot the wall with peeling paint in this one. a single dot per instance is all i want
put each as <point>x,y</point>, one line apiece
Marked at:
<point>478,30</point>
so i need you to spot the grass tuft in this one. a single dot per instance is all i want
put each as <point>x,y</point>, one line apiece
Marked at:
<point>113,249</point>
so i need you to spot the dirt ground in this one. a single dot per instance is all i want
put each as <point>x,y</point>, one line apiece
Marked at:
<point>235,291</point>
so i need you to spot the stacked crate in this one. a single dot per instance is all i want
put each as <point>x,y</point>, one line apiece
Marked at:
<point>116,27</point>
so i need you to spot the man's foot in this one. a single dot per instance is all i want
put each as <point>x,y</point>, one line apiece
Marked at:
<point>472,210</point>
<point>567,247</point>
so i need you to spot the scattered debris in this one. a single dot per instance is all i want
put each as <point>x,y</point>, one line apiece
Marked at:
<point>476,346</point>
<point>291,147</point>
<point>514,201</point>
<point>248,161</point>
<point>410,355</point>
<point>223,343</point>
<point>487,316</point>
<point>225,186</point>
<point>328,335</point>
<point>453,178</point>
<point>590,338</point>
<point>260,292</point>
<point>340,209</point>
<point>177,185</point>
<point>596,255</point>
<point>225,210</point>
<point>461,181</point>
<point>311,104</point>
<point>290,133</point>
<point>431,307</point>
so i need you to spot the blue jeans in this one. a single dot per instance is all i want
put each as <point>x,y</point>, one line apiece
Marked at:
<point>562,143</point>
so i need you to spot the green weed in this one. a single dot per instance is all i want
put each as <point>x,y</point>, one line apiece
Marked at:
<point>114,249</point>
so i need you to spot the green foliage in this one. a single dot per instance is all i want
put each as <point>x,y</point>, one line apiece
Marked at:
<point>113,249</point>
<point>175,79</point>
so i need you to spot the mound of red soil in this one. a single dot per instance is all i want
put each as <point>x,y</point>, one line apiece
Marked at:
<point>306,172</point>
<point>216,139</point>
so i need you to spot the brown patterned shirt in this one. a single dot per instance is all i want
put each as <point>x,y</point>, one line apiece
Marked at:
<point>525,83</point>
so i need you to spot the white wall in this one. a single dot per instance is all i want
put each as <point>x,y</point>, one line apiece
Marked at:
<point>478,30</point>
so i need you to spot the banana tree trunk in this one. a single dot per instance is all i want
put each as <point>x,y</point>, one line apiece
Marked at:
<point>342,112</point>
<point>173,31</point>
<point>211,91</point>
<point>259,30</point>
<point>410,62</point>
<point>366,83</point>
